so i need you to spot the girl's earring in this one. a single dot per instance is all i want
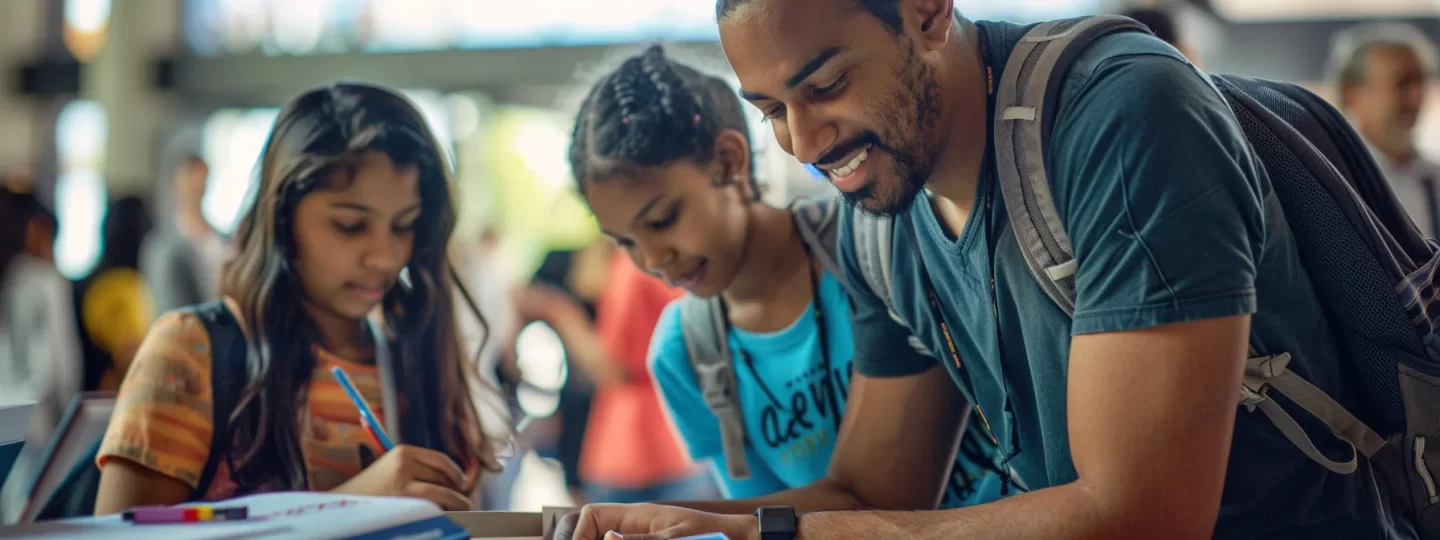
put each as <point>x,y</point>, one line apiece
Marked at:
<point>405,281</point>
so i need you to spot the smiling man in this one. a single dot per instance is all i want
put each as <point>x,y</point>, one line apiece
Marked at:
<point>1121,421</point>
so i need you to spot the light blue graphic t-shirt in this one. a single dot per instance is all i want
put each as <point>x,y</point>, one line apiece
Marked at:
<point>793,400</point>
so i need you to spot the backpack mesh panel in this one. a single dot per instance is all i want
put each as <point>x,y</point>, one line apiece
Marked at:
<point>1348,276</point>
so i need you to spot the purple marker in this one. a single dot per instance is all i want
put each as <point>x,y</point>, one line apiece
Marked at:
<point>147,515</point>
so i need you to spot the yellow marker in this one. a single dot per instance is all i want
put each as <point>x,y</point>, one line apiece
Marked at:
<point>204,513</point>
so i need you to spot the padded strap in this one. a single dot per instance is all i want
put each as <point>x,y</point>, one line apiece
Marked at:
<point>1269,372</point>
<point>389,400</point>
<point>1024,112</point>
<point>228,377</point>
<point>702,327</point>
<point>872,235</point>
<point>816,219</point>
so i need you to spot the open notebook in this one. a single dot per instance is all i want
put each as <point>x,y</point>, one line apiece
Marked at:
<point>295,515</point>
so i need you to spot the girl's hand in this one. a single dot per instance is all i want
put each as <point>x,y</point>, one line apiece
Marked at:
<point>410,471</point>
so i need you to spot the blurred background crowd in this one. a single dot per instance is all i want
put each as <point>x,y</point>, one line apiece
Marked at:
<point>129,132</point>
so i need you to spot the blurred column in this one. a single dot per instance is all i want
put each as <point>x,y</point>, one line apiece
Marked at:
<point>120,73</point>
<point>22,32</point>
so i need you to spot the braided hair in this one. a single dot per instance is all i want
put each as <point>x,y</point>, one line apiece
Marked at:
<point>652,111</point>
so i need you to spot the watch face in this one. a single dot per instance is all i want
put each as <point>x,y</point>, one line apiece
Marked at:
<point>777,519</point>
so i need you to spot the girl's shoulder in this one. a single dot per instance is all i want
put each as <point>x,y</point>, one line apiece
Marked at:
<point>668,349</point>
<point>162,417</point>
<point>177,345</point>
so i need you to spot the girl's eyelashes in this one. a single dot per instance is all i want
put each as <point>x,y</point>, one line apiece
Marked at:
<point>350,229</point>
<point>668,220</point>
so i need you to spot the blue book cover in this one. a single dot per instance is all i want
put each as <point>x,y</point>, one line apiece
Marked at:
<point>9,452</point>
<point>435,528</point>
<point>14,419</point>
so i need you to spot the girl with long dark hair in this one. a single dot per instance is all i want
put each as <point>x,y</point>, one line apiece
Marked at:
<point>341,261</point>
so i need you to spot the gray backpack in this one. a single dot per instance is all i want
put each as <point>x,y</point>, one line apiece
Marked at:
<point>703,327</point>
<point>1372,269</point>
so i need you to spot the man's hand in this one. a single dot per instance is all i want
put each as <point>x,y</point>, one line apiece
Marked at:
<point>651,522</point>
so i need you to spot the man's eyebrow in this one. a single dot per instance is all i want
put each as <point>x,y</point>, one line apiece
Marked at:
<point>800,75</point>
<point>812,66</point>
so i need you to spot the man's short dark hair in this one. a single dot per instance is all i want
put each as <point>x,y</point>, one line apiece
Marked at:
<point>1161,23</point>
<point>888,11</point>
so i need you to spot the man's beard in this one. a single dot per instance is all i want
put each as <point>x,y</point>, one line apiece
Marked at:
<point>912,159</point>
<point>883,201</point>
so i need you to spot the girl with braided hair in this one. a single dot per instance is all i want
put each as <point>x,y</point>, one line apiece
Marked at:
<point>663,157</point>
<point>341,261</point>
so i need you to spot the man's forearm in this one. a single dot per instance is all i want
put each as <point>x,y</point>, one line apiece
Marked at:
<point>1064,512</point>
<point>824,495</point>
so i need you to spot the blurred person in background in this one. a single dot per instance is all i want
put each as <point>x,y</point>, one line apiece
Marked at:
<point>630,455</point>
<point>1381,72</point>
<point>181,258</point>
<point>39,351</point>
<point>1163,24</point>
<point>114,304</point>
<point>487,337</point>
<point>490,283</point>
<point>563,294</point>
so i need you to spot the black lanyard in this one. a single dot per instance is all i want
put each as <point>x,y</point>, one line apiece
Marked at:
<point>824,333</point>
<point>938,314</point>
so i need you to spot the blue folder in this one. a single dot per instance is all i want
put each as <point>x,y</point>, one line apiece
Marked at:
<point>14,419</point>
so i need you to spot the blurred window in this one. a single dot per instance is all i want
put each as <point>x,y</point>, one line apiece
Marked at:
<point>1289,10</point>
<point>303,27</point>
<point>80,195</point>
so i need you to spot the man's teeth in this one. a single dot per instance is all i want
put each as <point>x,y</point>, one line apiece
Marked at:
<point>850,167</point>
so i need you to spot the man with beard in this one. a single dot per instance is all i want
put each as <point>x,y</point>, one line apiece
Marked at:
<point>1121,422</point>
<point>1381,71</point>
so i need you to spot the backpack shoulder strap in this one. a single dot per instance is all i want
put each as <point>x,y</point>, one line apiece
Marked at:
<point>818,220</point>
<point>228,376</point>
<point>1026,105</point>
<point>872,236</point>
<point>702,326</point>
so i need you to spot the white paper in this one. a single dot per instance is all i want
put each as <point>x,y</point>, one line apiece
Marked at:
<point>295,515</point>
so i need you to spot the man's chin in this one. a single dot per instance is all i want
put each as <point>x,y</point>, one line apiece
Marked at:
<point>879,204</point>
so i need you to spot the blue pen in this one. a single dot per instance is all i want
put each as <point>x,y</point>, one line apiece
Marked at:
<point>367,418</point>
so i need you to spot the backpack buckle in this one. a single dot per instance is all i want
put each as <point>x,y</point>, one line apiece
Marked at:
<point>717,384</point>
<point>1259,371</point>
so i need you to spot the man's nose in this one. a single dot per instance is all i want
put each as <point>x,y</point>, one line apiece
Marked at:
<point>810,135</point>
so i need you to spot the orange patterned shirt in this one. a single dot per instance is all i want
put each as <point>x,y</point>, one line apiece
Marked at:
<point>163,417</point>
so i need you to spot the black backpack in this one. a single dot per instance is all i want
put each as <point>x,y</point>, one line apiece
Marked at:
<point>75,496</point>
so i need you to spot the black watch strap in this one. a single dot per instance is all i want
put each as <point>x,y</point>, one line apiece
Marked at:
<point>778,522</point>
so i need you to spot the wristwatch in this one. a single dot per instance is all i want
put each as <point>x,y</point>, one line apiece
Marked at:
<point>777,522</point>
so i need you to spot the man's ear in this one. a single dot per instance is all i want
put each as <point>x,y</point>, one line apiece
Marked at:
<point>934,19</point>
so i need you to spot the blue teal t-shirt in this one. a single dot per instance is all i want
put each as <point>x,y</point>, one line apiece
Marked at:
<point>1172,219</point>
<point>793,401</point>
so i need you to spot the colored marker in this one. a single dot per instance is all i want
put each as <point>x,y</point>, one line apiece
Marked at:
<point>164,514</point>
<point>367,418</point>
